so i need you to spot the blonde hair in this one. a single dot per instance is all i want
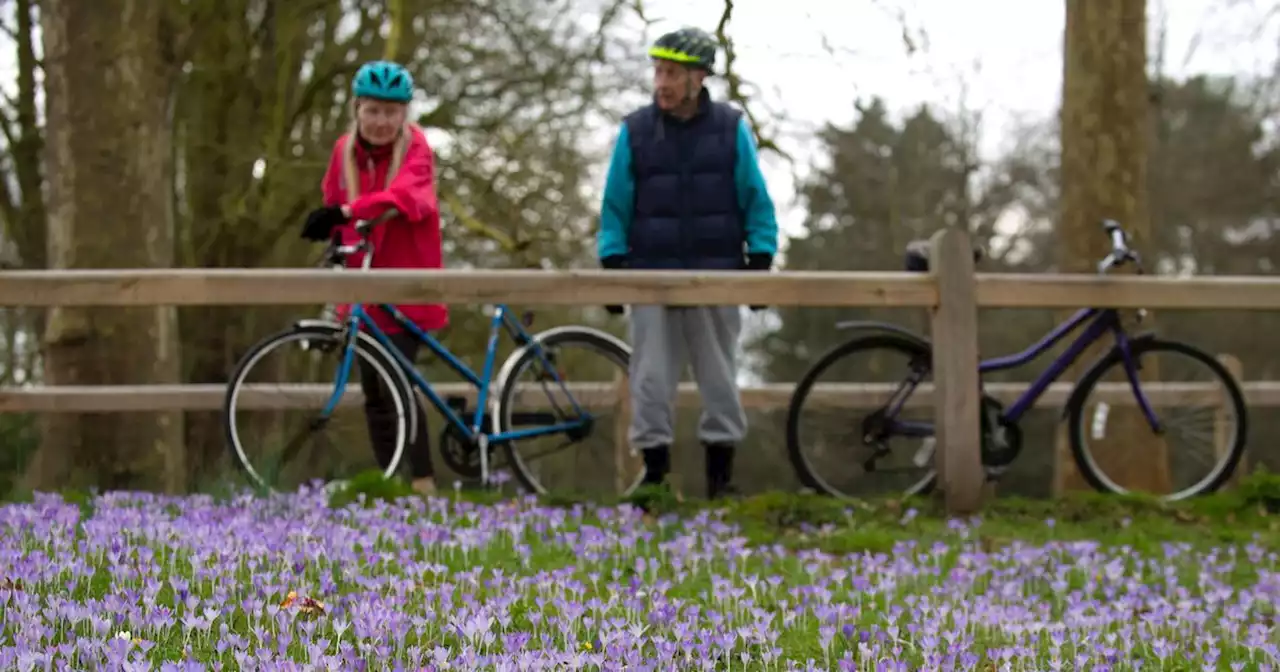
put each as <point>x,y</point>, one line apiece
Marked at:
<point>351,172</point>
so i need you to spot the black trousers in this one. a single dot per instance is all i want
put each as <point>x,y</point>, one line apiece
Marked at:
<point>380,414</point>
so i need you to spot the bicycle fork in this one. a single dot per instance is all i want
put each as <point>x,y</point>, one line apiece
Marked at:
<point>482,441</point>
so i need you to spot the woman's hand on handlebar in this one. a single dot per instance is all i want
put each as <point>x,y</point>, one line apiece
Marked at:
<point>363,226</point>
<point>322,221</point>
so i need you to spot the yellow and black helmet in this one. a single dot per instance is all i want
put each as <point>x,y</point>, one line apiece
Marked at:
<point>690,46</point>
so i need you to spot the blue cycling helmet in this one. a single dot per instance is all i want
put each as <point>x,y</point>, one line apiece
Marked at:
<point>383,80</point>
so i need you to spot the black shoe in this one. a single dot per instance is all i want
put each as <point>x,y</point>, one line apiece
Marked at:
<point>720,470</point>
<point>657,463</point>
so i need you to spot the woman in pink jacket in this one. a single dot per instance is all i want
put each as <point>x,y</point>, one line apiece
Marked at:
<point>384,162</point>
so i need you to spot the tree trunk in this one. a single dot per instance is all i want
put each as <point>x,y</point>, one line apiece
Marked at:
<point>109,81</point>
<point>1104,164</point>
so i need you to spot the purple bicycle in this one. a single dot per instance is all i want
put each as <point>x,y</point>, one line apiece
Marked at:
<point>900,361</point>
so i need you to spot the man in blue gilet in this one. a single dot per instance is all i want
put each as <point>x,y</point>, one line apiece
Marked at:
<point>685,192</point>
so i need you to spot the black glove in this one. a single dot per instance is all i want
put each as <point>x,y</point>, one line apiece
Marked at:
<point>322,221</point>
<point>614,262</point>
<point>759,262</point>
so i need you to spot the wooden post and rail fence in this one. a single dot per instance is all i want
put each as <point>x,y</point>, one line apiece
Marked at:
<point>952,291</point>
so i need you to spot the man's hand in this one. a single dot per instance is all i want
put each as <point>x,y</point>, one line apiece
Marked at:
<point>322,221</point>
<point>614,262</point>
<point>759,262</point>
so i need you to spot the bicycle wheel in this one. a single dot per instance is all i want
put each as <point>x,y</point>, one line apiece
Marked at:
<point>837,449</point>
<point>580,379</point>
<point>276,443</point>
<point>1091,413</point>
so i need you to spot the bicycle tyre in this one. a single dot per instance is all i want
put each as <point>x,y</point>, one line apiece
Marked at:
<point>1138,346</point>
<point>803,469</point>
<point>366,347</point>
<point>586,336</point>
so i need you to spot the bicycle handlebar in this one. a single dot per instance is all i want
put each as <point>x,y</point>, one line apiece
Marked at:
<point>1113,229</point>
<point>336,253</point>
<point>364,226</point>
<point>1120,252</point>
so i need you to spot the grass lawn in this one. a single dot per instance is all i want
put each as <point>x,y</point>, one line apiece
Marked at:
<point>366,579</point>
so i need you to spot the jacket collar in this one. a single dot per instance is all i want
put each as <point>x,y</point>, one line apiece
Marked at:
<point>366,151</point>
<point>704,106</point>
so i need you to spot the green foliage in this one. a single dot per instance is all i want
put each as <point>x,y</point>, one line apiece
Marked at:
<point>19,438</point>
<point>655,499</point>
<point>368,488</point>
<point>784,510</point>
<point>84,500</point>
<point>802,520</point>
<point>1259,490</point>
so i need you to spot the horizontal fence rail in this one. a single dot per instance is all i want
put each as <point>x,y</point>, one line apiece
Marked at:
<point>243,287</point>
<point>143,398</point>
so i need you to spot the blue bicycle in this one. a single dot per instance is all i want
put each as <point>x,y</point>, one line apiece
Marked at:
<point>279,452</point>
<point>860,457</point>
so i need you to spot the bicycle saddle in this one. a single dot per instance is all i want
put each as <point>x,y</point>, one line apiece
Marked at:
<point>917,257</point>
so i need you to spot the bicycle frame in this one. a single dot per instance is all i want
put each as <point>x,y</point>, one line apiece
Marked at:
<point>1103,321</point>
<point>1100,321</point>
<point>360,317</point>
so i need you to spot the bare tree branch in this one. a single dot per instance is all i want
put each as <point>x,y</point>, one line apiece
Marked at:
<point>736,83</point>
<point>461,212</point>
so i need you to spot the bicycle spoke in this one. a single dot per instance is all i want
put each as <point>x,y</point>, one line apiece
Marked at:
<point>271,417</point>
<point>291,449</point>
<point>542,375</point>
<point>534,457</point>
<point>884,452</point>
<point>1202,438</point>
<point>560,377</point>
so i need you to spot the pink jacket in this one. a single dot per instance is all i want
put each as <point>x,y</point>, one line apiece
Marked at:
<point>411,240</point>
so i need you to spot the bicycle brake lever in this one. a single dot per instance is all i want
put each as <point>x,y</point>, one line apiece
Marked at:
<point>363,226</point>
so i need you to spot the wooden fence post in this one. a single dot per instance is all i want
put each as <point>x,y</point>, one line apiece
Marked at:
<point>955,370</point>
<point>1221,418</point>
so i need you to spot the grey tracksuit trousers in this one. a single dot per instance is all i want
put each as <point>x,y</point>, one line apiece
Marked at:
<point>663,340</point>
